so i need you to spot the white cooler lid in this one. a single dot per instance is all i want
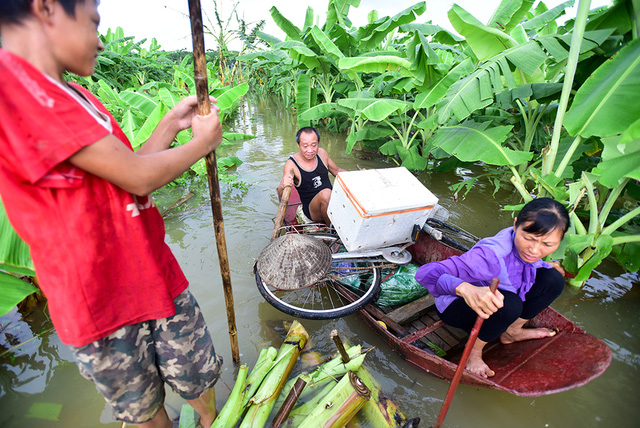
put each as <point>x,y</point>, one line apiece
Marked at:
<point>385,191</point>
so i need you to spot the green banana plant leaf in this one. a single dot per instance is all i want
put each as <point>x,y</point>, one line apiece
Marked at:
<point>337,12</point>
<point>607,103</point>
<point>267,38</point>
<point>544,18</point>
<point>129,124</point>
<point>440,34</point>
<point>509,14</point>
<point>14,252</point>
<point>471,141</point>
<point>485,42</point>
<point>12,291</point>
<point>149,125</point>
<point>371,35</point>
<point>299,52</point>
<point>140,101</point>
<point>376,64</point>
<point>108,95</point>
<point>169,98</point>
<point>529,91</point>
<point>411,158</point>
<point>228,95</point>
<point>620,160</point>
<point>303,98</point>
<point>628,255</point>
<point>604,245</point>
<point>327,45</point>
<point>285,25</point>
<point>324,110</point>
<point>374,109</point>
<point>429,98</point>
<point>427,67</point>
<point>270,56</point>
<point>476,90</point>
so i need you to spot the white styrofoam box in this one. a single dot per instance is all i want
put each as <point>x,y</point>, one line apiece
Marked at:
<point>376,208</point>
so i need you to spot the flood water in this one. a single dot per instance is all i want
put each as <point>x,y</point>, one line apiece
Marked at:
<point>42,375</point>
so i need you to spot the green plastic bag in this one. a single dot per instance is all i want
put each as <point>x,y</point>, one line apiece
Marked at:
<point>399,288</point>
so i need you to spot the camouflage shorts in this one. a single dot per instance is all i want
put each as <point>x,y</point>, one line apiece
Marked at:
<point>130,365</point>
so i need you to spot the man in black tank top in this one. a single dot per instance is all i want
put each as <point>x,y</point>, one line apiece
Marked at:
<point>311,167</point>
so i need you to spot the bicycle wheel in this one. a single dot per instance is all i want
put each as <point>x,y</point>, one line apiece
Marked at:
<point>324,300</point>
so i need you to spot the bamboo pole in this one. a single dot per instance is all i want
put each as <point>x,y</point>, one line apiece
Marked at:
<point>204,108</point>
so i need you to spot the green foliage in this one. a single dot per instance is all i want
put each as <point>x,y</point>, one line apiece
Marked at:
<point>497,96</point>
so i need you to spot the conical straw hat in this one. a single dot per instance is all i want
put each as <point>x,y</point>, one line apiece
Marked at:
<point>294,261</point>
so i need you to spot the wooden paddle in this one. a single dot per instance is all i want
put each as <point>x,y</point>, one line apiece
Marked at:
<point>204,108</point>
<point>282,208</point>
<point>463,362</point>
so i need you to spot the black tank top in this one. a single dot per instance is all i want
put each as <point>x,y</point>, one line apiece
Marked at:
<point>312,182</point>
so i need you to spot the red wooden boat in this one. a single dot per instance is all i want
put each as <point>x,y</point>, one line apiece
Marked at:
<point>530,368</point>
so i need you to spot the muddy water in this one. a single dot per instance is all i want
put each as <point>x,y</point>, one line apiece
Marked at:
<point>41,372</point>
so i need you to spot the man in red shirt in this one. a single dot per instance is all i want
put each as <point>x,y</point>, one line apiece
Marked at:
<point>77,194</point>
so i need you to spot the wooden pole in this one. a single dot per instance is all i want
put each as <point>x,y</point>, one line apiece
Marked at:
<point>463,362</point>
<point>204,108</point>
<point>288,404</point>
<point>282,208</point>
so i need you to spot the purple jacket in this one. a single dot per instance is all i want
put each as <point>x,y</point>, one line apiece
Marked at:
<point>494,257</point>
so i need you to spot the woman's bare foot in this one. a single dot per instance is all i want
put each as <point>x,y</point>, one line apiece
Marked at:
<point>518,333</point>
<point>475,363</point>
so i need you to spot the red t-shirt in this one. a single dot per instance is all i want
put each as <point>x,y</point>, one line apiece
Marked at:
<point>98,251</point>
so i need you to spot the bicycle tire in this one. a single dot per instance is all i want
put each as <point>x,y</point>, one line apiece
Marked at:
<point>284,304</point>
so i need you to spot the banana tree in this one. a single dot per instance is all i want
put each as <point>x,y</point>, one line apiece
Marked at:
<point>15,261</point>
<point>604,107</point>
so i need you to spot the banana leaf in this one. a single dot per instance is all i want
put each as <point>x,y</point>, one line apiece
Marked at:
<point>149,125</point>
<point>12,291</point>
<point>375,109</point>
<point>373,34</point>
<point>229,95</point>
<point>327,45</point>
<point>303,98</point>
<point>476,90</point>
<point>285,25</point>
<point>606,104</point>
<point>14,252</point>
<point>299,52</point>
<point>376,64</point>
<point>619,161</point>
<point>429,98</point>
<point>509,14</point>
<point>547,16</point>
<point>485,42</point>
<point>142,102</point>
<point>268,38</point>
<point>471,141</point>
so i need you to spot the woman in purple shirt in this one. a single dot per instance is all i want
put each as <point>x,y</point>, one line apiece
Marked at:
<point>527,284</point>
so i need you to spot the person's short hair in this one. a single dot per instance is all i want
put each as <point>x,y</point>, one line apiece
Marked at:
<point>543,215</point>
<point>15,11</point>
<point>307,130</point>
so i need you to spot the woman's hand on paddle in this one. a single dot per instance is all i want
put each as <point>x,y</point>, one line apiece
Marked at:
<point>481,299</point>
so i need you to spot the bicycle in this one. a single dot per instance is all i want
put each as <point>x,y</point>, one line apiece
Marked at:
<point>358,271</point>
